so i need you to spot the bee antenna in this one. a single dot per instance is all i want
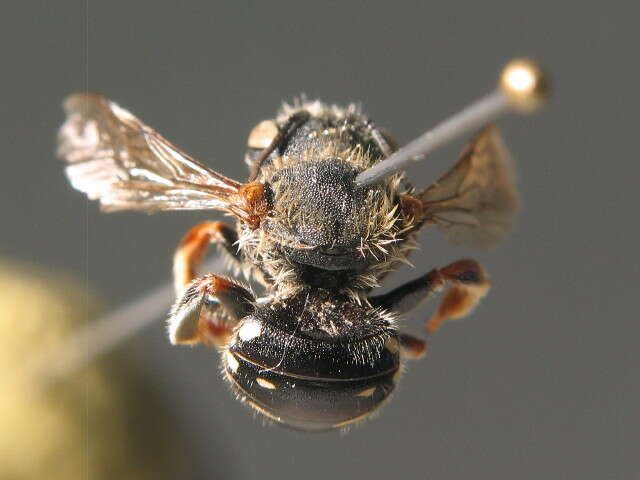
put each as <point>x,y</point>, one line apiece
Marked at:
<point>523,88</point>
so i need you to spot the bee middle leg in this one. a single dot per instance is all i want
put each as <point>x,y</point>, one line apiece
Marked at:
<point>469,283</point>
<point>193,247</point>
<point>207,310</point>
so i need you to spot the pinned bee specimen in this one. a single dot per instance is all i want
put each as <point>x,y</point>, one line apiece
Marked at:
<point>325,214</point>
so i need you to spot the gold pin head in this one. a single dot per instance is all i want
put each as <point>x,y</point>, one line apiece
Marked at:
<point>524,84</point>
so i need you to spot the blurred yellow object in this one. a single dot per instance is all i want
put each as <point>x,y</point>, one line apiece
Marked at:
<point>89,426</point>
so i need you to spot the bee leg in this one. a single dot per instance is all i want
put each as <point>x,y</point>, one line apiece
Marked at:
<point>207,311</point>
<point>412,347</point>
<point>408,296</point>
<point>194,245</point>
<point>469,284</point>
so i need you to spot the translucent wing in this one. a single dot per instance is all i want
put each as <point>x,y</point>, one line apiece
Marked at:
<point>474,202</point>
<point>115,158</point>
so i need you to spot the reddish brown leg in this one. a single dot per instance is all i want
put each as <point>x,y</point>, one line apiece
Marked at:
<point>194,245</point>
<point>207,311</point>
<point>469,284</point>
<point>412,347</point>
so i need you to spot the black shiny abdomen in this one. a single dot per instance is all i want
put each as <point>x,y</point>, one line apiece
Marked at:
<point>314,363</point>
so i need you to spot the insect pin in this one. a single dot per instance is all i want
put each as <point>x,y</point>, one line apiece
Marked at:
<point>325,214</point>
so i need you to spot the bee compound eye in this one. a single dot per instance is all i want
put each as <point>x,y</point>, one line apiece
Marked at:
<point>311,386</point>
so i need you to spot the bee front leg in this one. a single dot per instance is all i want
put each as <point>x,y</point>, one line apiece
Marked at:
<point>207,310</point>
<point>469,283</point>
<point>194,245</point>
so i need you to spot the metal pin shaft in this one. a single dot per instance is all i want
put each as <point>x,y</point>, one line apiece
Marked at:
<point>522,88</point>
<point>473,117</point>
<point>101,335</point>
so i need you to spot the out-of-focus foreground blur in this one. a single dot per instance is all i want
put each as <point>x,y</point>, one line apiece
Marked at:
<point>104,422</point>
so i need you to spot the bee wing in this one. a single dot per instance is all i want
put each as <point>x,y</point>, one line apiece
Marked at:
<point>115,158</point>
<point>474,202</point>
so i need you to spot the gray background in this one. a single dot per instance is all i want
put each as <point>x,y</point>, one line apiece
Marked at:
<point>542,382</point>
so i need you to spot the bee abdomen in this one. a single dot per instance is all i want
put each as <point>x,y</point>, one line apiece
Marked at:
<point>309,403</point>
<point>312,381</point>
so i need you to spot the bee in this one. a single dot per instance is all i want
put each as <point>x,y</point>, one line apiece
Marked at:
<point>317,350</point>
